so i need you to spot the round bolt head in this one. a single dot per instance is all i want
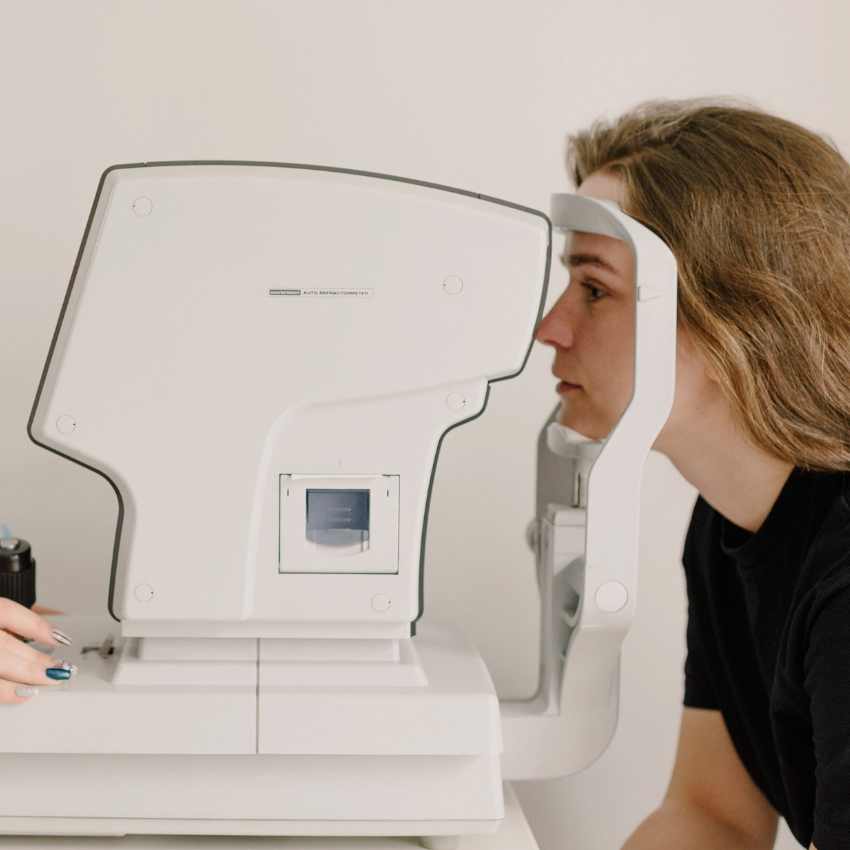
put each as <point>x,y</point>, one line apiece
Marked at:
<point>453,285</point>
<point>143,592</point>
<point>66,424</point>
<point>142,206</point>
<point>455,401</point>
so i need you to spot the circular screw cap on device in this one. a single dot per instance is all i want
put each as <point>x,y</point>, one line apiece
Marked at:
<point>17,571</point>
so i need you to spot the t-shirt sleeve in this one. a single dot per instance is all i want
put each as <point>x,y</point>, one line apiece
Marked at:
<point>698,690</point>
<point>827,684</point>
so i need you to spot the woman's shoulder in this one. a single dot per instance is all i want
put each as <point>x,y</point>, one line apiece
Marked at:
<point>822,499</point>
<point>826,570</point>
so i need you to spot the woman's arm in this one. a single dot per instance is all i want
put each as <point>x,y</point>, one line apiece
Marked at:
<point>712,801</point>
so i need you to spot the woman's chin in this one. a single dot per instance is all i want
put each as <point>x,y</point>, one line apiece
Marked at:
<point>580,426</point>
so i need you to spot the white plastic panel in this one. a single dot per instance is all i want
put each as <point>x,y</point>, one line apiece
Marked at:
<point>193,387</point>
<point>163,707</point>
<point>436,699</point>
<point>272,795</point>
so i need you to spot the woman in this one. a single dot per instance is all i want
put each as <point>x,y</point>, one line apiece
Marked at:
<point>757,213</point>
<point>23,668</point>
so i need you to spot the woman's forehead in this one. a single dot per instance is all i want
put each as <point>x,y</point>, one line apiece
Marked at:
<point>603,252</point>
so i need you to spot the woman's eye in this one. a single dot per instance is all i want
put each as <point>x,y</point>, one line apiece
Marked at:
<point>594,293</point>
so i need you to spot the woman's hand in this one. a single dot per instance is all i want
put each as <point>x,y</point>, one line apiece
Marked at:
<point>23,669</point>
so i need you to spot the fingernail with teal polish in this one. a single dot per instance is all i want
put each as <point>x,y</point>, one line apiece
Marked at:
<point>25,691</point>
<point>57,673</point>
<point>64,665</point>
<point>62,638</point>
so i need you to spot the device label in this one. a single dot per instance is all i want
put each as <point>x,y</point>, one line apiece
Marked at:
<point>324,293</point>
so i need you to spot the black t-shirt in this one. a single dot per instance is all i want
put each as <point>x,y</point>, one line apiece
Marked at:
<point>769,647</point>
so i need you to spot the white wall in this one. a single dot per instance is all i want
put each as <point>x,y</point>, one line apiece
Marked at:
<point>478,95</point>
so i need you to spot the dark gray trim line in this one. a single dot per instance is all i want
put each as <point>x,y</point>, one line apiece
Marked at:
<point>113,572</point>
<point>44,378</point>
<point>428,500</point>
<point>484,406</point>
<point>545,279</point>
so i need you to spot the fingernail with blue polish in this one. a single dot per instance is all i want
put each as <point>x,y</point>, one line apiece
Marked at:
<point>25,691</point>
<point>64,665</point>
<point>62,638</point>
<point>57,673</point>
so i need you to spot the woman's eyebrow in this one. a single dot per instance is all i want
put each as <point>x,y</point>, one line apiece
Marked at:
<point>574,260</point>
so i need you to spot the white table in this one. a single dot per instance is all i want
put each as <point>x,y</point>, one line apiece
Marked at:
<point>513,834</point>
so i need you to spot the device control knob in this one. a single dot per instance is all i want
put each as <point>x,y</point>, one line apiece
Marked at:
<point>17,571</point>
<point>532,534</point>
<point>381,602</point>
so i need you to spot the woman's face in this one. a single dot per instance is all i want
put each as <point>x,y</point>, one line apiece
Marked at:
<point>592,329</point>
<point>592,325</point>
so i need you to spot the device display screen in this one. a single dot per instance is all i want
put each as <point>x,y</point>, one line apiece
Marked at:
<point>338,518</point>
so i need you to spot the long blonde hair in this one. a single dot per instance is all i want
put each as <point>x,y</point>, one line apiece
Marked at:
<point>757,212</point>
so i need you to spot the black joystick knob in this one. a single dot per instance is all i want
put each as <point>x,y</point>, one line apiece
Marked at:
<point>17,571</point>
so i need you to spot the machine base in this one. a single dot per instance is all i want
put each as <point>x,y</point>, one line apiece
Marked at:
<point>513,833</point>
<point>345,761</point>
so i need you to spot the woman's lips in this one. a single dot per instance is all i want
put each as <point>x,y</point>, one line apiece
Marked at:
<point>566,386</point>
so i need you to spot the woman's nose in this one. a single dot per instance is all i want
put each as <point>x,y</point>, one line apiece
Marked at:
<point>556,329</point>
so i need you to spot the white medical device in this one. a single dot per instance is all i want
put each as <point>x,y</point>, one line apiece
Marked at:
<point>262,360</point>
